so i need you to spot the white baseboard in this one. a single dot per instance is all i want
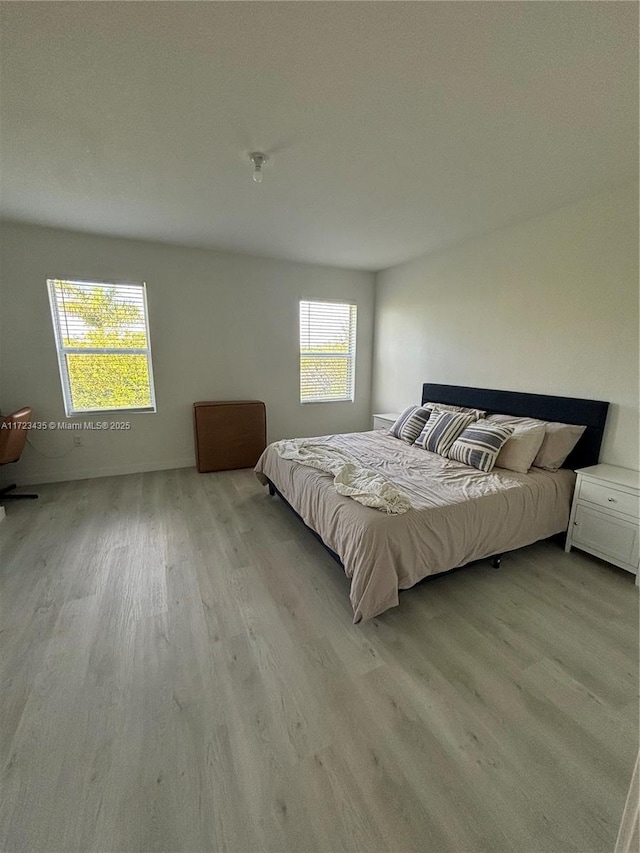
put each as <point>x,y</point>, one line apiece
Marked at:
<point>90,473</point>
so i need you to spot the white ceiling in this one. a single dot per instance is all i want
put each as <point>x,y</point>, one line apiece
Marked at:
<point>392,128</point>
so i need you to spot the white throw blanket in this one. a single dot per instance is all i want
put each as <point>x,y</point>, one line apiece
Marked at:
<point>350,477</point>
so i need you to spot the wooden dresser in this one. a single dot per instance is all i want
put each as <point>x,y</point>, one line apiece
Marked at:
<point>229,434</point>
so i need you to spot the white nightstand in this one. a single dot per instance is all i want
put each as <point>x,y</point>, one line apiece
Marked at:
<point>605,515</point>
<point>386,420</point>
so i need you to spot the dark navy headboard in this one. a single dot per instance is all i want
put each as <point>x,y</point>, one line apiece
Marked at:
<point>566,410</point>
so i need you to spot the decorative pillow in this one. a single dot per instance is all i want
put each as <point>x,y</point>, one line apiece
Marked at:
<point>479,444</point>
<point>520,450</point>
<point>410,423</point>
<point>559,439</point>
<point>441,430</point>
<point>477,413</point>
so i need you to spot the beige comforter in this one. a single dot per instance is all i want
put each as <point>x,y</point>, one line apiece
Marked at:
<point>459,514</point>
<point>350,478</point>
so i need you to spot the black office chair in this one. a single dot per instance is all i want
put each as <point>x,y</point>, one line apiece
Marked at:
<point>13,437</point>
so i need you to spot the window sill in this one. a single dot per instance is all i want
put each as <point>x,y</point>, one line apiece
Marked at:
<point>94,413</point>
<point>315,402</point>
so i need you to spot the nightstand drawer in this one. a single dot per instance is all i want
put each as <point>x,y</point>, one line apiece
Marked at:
<point>604,515</point>
<point>606,535</point>
<point>609,498</point>
<point>385,420</point>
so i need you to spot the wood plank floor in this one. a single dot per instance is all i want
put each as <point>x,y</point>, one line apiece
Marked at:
<point>180,672</point>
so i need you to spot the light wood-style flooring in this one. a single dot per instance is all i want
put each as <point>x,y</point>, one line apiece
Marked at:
<point>180,672</point>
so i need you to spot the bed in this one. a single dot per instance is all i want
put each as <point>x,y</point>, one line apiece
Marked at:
<point>459,514</point>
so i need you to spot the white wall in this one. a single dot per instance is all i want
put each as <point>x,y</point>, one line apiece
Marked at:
<point>223,326</point>
<point>547,306</point>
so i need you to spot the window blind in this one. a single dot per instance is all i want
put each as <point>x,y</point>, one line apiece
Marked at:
<point>327,351</point>
<point>102,339</point>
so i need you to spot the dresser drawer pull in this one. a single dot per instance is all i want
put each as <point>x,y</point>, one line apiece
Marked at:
<point>611,500</point>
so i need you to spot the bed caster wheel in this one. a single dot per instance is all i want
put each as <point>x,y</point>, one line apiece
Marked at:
<point>496,562</point>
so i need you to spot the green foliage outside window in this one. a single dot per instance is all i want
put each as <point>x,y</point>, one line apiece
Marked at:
<point>327,376</point>
<point>99,317</point>
<point>109,381</point>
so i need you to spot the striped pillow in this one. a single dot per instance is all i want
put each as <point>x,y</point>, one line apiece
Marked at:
<point>442,429</point>
<point>479,444</point>
<point>445,407</point>
<point>410,423</point>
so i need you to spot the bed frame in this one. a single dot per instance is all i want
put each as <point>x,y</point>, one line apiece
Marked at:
<point>566,410</point>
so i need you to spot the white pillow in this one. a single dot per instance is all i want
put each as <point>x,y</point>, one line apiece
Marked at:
<point>520,450</point>
<point>559,439</point>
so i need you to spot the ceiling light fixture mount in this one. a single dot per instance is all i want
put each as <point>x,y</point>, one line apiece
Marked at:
<point>258,159</point>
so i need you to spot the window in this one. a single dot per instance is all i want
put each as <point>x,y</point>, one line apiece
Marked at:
<point>327,351</point>
<point>102,338</point>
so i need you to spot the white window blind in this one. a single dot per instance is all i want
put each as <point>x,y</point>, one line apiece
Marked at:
<point>327,351</point>
<point>104,352</point>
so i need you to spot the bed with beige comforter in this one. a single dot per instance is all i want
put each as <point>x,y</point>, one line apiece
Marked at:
<point>457,514</point>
